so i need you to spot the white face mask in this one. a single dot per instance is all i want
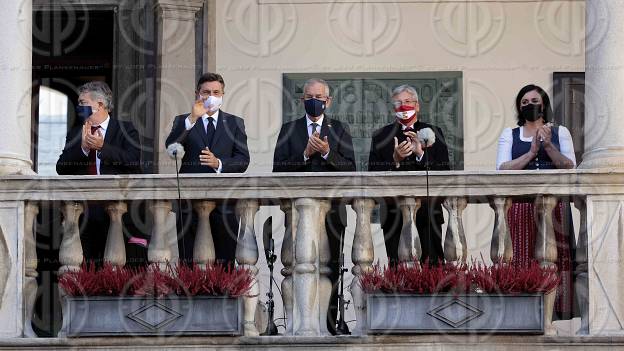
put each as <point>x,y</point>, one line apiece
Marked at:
<point>213,103</point>
<point>405,114</point>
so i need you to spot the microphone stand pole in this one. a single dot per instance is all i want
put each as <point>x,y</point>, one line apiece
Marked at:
<point>271,328</point>
<point>341,325</point>
<point>175,154</point>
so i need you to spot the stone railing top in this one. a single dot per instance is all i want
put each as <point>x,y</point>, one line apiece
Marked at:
<point>476,185</point>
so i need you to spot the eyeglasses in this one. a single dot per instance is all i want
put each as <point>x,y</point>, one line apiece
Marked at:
<point>318,97</point>
<point>399,103</point>
<point>207,93</point>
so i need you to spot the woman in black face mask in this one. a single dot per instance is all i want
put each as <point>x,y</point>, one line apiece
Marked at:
<point>537,144</point>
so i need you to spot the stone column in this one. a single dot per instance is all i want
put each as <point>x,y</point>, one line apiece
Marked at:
<point>204,250</point>
<point>604,86</point>
<point>159,249</point>
<point>501,246</point>
<point>305,314</point>
<point>546,251</point>
<point>175,30</point>
<point>70,252</point>
<point>325,284</point>
<point>16,82</point>
<point>115,250</point>
<point>31,210</point>
<point>410,250</point>
<point>247,257</point>
<point>455,249</point>
<point>362,255</point>
<point>581,287</point>
<point>288,260</point>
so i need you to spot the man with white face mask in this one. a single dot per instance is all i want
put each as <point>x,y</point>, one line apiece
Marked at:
<point>214,141</point>
<point>397,147</point>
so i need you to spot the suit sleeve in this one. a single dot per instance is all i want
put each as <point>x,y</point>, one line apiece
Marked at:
<point>376,162</point>
<point>283,158</point>
<point>178,131</point>
<point>72,160</point>
<point>126,153</point>
<point>343,158</point>
<point>439,159</point>
<point>239,160</point>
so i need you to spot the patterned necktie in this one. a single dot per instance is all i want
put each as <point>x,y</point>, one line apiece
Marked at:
<point>92,156</point>
<point>314,126</point>
<point>210,131</point>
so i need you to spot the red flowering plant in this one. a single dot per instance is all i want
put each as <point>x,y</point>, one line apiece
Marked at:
<point>502,278</point>
<point>181,280</point>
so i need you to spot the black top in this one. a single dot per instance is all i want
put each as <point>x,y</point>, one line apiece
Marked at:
<point>542,160</point>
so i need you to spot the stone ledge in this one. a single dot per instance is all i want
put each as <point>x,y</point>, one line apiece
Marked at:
<point>385,342</point>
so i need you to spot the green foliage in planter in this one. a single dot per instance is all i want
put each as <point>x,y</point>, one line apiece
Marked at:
<point>181,280</point>
<point>502,278</point>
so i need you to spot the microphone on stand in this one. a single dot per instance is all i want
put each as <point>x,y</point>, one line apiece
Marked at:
<point>173,150</point>
<point>427,138</point>
<point>269,252</point>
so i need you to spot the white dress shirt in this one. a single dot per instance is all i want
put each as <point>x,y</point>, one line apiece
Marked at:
<point>103,127</point>
<point>215,116</point>
<point>309,125</point>
<point>505,143</point>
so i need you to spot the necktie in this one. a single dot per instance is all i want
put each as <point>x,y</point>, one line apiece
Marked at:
<point>314,126</point>
<point>210,131</point>
<point>92,158</point>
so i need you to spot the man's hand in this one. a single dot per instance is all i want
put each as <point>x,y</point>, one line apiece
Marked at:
<point>95,141</point>
<point>197,111</point>
<point>207,158</point>
<point>310,148</point>
<point>417,148</point>
<point>86,130</point>
<point>319,145</point>
<point>402,150</point>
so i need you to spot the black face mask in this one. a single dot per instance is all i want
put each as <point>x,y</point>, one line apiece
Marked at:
<point>531,112</point>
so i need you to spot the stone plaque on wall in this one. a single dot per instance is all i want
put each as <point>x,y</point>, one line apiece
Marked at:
<point>363,101</point>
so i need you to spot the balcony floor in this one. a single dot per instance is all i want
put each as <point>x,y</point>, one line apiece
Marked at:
<point>384,342</point>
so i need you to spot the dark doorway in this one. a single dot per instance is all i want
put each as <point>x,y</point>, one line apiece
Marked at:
<point>569,107</point>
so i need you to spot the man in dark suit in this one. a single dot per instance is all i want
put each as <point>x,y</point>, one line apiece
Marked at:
<point>214,142</point>
<point>315,143</point>
<point>100,145</point>
<point>396,147</point>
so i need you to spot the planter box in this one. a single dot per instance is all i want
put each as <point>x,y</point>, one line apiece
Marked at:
<point>400,313</point>
<point>117,316</point>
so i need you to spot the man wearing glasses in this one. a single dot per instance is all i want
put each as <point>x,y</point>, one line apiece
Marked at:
<point>396,147</point>
<point>316,143</point>
<point>214,142</point>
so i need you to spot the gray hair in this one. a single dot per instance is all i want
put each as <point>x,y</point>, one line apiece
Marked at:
<point>99,91</point>
<point>408,88</point>
<point>314,81</point>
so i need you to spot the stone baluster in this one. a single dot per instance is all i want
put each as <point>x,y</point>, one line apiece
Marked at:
<point>115,250</point>
<point>325,284</point>
<point>501,246</point>
<point>581,282</point>
<point>204,250</point>
<point>305,280</point>
<point>70,252</point>
<point>546,251</point>
<point>171,227</point>
<point>288,260</point>
<point>247,257</point>
<point>410,250</point>
<point>455,248</point>
<point>30,265</point>
<point>362,255</point>
<point>159,249</point>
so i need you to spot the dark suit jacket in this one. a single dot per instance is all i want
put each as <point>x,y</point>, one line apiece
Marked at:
<point>229,144</point>
<point>292,141</point>
<point>120,154</point>
<point>382,148</point>
<point>380,159</point>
